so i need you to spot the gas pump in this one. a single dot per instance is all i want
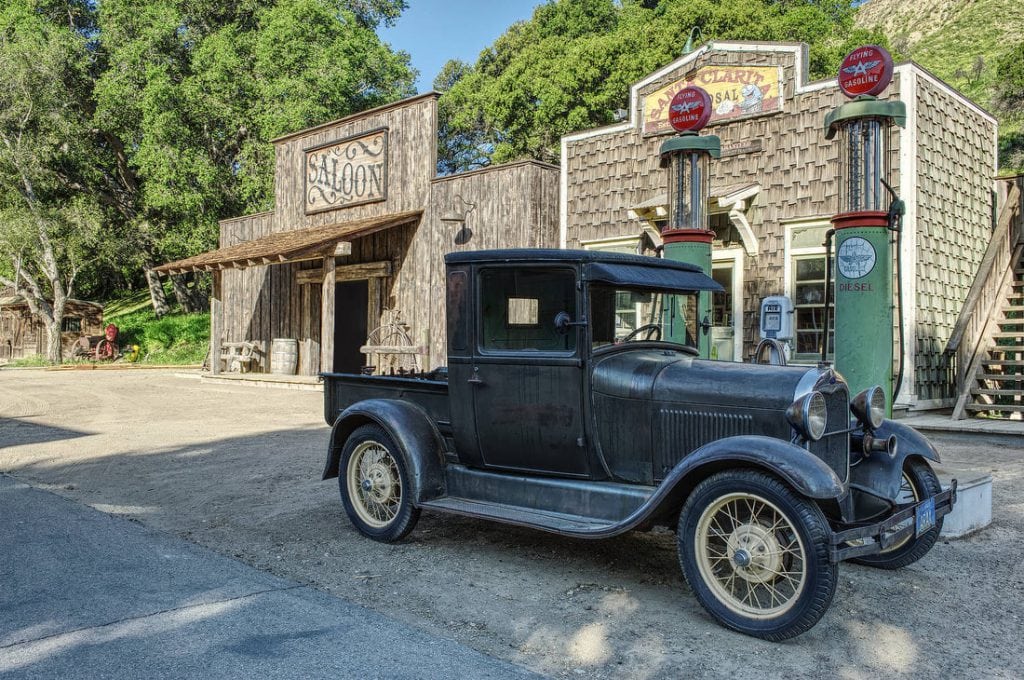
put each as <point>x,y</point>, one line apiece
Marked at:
<point>864,223</point>
<point>687,238</point>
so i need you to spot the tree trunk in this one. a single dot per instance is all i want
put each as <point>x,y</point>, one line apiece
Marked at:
<point>188,299</point>
<point>156,289</point>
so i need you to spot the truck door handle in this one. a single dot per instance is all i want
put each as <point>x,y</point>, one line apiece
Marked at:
<point>475,379</point>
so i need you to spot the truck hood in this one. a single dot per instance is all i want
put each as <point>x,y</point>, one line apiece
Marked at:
<point>666,375</point>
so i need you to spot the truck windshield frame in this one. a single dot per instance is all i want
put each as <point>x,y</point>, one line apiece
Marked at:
<point>622,314</point>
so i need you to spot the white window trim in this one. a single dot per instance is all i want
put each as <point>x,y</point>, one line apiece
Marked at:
<point>790,254</point>
<point>734,256</point>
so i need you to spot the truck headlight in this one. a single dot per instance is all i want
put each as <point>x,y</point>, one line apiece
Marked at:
<point>869,407</point>
<point>808,416</point>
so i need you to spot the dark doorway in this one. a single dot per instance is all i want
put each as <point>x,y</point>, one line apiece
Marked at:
<point>351,299</point>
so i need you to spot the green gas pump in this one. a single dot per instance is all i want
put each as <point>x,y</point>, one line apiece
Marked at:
<point>686,237</point>
<point>864,226</point>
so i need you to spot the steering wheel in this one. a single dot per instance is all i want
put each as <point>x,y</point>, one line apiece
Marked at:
<point>650,328</point>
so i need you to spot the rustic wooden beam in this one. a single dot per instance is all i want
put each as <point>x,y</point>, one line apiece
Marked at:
<point>216,325</point>
<point>348,272</point>
<point>327,315</point>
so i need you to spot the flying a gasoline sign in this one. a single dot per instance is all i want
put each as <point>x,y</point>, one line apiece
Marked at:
<point>865,71</point>
<point>689,110</point>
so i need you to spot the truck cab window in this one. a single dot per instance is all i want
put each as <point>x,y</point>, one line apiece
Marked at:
<point>619,315</point>
<point>518,308</point>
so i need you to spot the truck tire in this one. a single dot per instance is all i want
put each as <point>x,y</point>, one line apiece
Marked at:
<point>918,483</point>
<point>755,554</point>
<point>374,485</point>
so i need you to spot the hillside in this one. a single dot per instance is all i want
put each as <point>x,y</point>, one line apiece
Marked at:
<point>960,42</point>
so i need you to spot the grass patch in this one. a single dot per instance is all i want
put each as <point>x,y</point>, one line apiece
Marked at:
<point>175,339</point>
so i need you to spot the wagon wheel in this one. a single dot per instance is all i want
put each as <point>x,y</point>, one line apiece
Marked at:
<point>106,350</point>
<point>394,334</point>
<point>81,348</point>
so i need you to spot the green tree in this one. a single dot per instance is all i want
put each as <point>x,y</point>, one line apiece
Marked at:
<point>571,65</point>
<point>48,219</point>
<point>191,93</point>
<point>1008,100</point>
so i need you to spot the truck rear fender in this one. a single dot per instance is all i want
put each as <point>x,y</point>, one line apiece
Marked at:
<point>802,470</point>
<point>882,474</point>
<point>419,442</point>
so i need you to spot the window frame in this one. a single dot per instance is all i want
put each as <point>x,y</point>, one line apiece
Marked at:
<point>479,346</point>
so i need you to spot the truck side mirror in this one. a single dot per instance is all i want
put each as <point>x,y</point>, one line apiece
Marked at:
<point>705,325</point>
<point>563,322</point>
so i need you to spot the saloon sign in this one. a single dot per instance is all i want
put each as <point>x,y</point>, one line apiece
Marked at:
<point>347,172</point>
<point>735,91</point>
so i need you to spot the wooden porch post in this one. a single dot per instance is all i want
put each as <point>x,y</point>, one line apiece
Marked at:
<point>216,324</point>
<point>327,315</point>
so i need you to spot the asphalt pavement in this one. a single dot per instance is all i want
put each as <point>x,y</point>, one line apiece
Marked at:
<point>84,594</point>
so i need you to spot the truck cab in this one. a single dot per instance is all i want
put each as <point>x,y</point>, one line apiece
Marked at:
<point>575,401</point>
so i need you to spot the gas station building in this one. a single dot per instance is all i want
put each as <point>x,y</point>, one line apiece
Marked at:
<point>774,191</point>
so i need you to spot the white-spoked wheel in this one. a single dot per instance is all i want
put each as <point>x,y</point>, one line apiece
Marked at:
<point>756,554</point>
<point>750,555</point>
<point>374,484</point>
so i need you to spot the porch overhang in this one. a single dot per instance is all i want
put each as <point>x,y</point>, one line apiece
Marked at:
<point>287,246</point>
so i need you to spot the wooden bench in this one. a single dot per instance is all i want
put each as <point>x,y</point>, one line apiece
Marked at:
<point>242,357</point>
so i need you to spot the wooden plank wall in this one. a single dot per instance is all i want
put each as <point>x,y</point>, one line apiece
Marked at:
<point>22,335</point>
<point>954,223</point>
<point>516,207</point>
<point>412,161</point>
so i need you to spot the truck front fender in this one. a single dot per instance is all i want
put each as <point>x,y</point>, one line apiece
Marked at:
<point>419,443</point>
<point>881,474</point>
<point>798,467</point>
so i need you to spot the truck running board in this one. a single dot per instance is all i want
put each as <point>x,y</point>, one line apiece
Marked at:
<point>512,514</point>
<point>547,503</point>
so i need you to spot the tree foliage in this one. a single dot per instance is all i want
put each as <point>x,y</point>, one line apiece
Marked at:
<point>571,65</point>
<point>137,126</point>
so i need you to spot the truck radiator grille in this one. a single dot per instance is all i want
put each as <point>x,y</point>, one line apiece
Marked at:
<point>834,447</point>
<point>683,430</point>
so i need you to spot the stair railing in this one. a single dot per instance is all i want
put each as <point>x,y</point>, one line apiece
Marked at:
<point>972,332</point>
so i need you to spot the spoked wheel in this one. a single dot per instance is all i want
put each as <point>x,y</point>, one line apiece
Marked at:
<point>756,554</point>
<point>918,483</point>
<point>375,487</point>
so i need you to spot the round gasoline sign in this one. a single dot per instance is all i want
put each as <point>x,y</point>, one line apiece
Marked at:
<point>690,109</point>
<point>865,71</point>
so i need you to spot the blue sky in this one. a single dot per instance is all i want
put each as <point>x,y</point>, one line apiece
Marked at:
<point>434,31</point>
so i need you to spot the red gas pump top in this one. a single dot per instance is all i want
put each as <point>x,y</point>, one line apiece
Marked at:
<point>865,71</point>
<point>690,109</point>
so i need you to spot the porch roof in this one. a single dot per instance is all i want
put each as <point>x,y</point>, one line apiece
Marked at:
<point>287,246</point>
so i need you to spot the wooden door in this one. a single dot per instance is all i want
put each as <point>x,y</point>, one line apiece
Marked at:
<point>350,312</point>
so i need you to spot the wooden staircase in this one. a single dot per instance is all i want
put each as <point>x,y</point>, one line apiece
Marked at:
<point>988,341</point>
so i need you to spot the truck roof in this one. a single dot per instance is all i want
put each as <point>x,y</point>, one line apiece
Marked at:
<point>615,268</point>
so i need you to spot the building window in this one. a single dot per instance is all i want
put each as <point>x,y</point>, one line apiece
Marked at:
<point>809,307</point>
<point>71,324</point>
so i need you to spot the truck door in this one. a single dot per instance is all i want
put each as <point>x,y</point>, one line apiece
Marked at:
<point>527,377</point>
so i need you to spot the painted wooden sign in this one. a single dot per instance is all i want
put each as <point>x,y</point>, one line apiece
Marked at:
<point>865,71</point>
<point>347,172</point>
<point>735,91</point>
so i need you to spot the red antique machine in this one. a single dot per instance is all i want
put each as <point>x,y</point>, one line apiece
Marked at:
<point>107,348</point>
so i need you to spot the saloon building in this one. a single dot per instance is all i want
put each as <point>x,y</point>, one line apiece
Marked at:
<point>352,255</point>
<point>349,263</point>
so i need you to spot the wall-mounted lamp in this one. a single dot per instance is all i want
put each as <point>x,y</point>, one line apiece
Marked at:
<point>457,215</point>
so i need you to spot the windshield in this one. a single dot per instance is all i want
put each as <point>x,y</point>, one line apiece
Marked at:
<point>620,315</point>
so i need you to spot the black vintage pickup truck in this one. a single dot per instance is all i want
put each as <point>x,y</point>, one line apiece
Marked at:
<point>574,402</point>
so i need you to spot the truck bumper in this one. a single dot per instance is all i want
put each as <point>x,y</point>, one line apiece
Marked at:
<point>874,538</point>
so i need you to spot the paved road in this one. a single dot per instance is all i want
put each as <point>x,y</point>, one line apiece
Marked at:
<point>87,595</point>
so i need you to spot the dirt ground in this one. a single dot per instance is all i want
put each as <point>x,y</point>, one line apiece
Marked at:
<point>237,469</point>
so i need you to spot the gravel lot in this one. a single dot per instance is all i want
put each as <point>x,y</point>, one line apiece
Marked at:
<point>237,469</point>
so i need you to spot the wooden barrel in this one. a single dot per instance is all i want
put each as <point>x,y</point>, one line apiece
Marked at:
<point>284,355</point>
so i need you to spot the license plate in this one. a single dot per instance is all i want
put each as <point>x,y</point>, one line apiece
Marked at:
<point>924,516</point>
